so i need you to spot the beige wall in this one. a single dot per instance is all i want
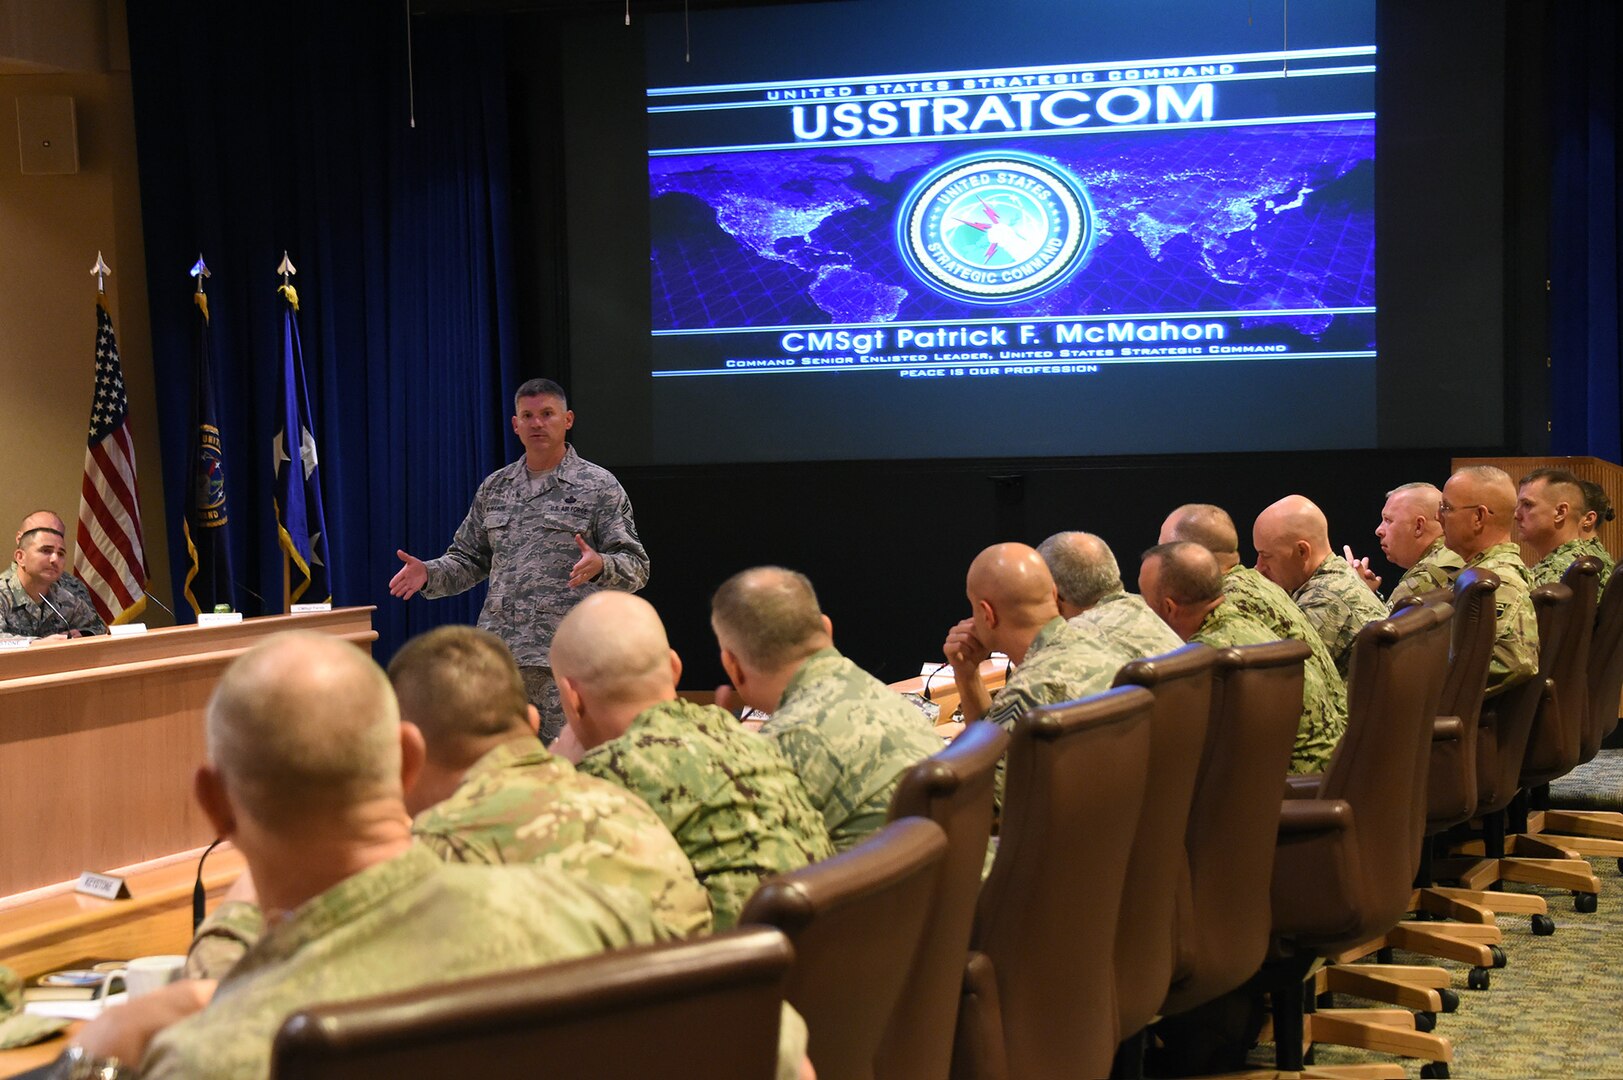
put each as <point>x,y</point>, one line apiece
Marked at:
<point>50,230</point>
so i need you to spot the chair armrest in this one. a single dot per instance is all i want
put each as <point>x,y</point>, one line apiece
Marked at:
<point>1447,729</point>
<point>1303,817</point>
<point>1303,786</point>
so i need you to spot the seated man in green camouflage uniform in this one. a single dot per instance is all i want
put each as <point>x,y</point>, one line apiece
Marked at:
<point>1549,512</point>
<point>1292,539</point>
<point>489,792</point>
<point>305,771</point>
<point>1411,536</point>
<point>1013,610</point>
<point>848,735</point>
<point>1182,583</point>
<point>1478,508</point>
<point>730,799</point>
<point>38,597</point>
<point>1087,585</point>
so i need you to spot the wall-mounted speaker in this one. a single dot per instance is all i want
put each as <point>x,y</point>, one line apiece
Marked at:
<point>47,135</point>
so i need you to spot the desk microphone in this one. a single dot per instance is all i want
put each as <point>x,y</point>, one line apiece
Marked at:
<point>199,896</point>
<point>930,678</point>
<point>67,627</point>
<point>161,604</point>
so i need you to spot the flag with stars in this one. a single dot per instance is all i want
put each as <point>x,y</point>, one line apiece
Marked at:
<point>209,584</point>
<point>300,523</point>
<point>111,558</point>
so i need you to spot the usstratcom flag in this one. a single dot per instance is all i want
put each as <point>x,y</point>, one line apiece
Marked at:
<point>209,583</point>
<point>111,558</point>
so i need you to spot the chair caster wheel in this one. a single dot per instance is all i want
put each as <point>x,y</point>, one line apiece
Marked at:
<point>1585,902</point>
<point>1620,866</point>
<point>1435,1068</point>
<point>1543,925</point>
<point>1425,1021</point>
<point>1478,979</point>
<point>1451,999</point>
<point>1384,955</point>
<point>1498,954</point>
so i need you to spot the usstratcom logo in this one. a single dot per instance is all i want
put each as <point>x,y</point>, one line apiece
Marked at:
<point>996,228</point>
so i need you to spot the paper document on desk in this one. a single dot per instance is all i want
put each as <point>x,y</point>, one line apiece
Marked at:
<point>74,1010</point>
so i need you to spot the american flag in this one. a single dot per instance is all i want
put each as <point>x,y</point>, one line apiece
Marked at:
<point>111,559</point>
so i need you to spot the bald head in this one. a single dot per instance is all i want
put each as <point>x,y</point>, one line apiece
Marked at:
<point>41,519</point>
<point>303,728</point>
<point>1292,540</point>
<point>1181,582</point>
<point>1014,579</point>
<point>1409,522</point>
<point>1207,525</point>
<point>769,617</point>
<point>1083,567</point>
<point>1479,506</point>
<point>612,647</point>
<point>460,687</point>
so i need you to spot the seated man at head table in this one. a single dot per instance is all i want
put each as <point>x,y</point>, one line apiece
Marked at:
<point>38,597</point>
<point>1013,610</point>
<point>306,771</point>
<point>1550,508</point>
<point>1182,583</point>
<point>848,736</point>
<point>1087,585</point>
<point>731,800</point>
<point>1411,536</point>
<point>1292,539</point>
<point>1478,510</point>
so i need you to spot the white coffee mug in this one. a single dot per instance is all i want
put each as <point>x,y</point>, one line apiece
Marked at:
<point>146,973</point>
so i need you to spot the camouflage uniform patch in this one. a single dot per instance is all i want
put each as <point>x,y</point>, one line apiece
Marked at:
<point>404,923</point>
<point>1063,664</point>
<point>1324,696</point>
<point>1515,646</point>
<point>1338,604</point>
<point>1124,620</point>
<point>20,614</point>
<point>520,805</point>
<point>849,737</point>
<point>1436,569</point>
<point>1549,569</point>
<point>727,795</point>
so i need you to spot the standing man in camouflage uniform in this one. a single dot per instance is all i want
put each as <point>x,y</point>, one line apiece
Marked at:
<point>728,796</point>
<point>1013,611</point>
<point>1549,511</point>
<point>1087,585</point>
<point>1292,540</point>
<point>1182,583</point>
<point>1478,508</point>
<point>546,530</point>
<point>37,598</point>
<point>306,760</point>
<point>848,735</point>
<point>490,793</point>
<point>1411,537</point>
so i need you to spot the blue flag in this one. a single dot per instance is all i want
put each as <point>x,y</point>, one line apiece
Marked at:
<point>300,523</point>
<point>209,582</point>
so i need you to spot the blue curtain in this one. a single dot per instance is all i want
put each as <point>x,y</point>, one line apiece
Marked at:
<point>1586,389</point>
<point>265,128</point>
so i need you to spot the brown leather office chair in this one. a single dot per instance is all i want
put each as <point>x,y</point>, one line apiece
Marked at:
<point>1451,799</point>
<point>855,921</point>
<point>1566,624</point>
<point>1147,930</point>
<point>1349,845</point>
<point>1234,818</point>
<point>623,1015</point>
<point>953,789</point>
<point>1595,832</point>
<point>1047,913</point>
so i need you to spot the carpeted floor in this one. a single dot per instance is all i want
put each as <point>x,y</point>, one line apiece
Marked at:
<point>1556,1008</point>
